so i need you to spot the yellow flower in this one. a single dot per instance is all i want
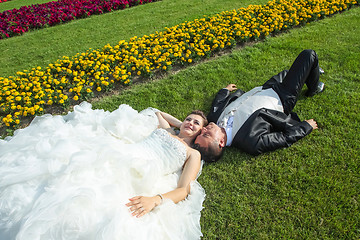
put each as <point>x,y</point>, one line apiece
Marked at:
<point>155,51</point>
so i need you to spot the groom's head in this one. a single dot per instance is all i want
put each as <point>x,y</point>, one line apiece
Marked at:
<point>211,142</point>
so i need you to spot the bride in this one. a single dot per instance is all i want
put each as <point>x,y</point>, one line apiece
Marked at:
<point>94,174</point>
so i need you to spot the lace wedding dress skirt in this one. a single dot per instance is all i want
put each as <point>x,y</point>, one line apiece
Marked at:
<point>69,177</point>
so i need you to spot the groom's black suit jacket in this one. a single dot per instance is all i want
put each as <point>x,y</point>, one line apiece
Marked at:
<point>265,130</point>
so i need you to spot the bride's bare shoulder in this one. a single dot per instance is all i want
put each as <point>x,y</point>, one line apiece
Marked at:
<point>193,152</point>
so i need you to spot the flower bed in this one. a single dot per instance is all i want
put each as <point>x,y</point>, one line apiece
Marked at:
<point>76,78</point>
<point>17,21</point>
<point>3,1</point>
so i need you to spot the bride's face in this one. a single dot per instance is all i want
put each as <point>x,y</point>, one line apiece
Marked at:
<point>192,125</point>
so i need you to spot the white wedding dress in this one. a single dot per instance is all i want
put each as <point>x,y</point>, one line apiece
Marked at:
<point>69,177</point>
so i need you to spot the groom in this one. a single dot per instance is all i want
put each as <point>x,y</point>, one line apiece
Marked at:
<point>261,120</point>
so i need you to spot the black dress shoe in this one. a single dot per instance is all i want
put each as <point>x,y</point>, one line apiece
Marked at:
<point>320,88</point>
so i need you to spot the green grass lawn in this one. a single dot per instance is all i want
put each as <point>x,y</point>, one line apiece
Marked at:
<point>308,191</point>
<point>19,3</point>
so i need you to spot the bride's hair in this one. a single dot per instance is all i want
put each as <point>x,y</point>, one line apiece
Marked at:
<point>201,114</point>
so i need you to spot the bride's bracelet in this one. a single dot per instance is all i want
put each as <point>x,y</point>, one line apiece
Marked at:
<point>161,197</point>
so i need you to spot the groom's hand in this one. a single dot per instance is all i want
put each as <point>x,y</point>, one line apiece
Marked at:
<point>312,123</point>
<point>231,87</point>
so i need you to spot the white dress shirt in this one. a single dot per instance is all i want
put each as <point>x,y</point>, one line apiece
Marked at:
<point>237,112</point>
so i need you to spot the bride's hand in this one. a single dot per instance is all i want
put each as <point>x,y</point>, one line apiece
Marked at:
<point>140,205</point>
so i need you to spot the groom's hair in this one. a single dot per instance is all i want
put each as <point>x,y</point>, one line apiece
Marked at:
<point>210,154</point>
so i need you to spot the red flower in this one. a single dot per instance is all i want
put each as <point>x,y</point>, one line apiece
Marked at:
<point>17,21</point>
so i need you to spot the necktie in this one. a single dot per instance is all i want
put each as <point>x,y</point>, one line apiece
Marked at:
<point>228,130</point>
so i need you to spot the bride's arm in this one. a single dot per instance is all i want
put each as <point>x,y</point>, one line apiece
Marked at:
<point>189,174</point>
<point>166,120</point>
<point>141,205</point>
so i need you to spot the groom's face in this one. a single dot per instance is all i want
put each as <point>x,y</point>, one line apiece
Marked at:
<point>210,135</point>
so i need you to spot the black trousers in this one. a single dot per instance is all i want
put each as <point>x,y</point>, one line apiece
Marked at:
<point>288,84</point>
